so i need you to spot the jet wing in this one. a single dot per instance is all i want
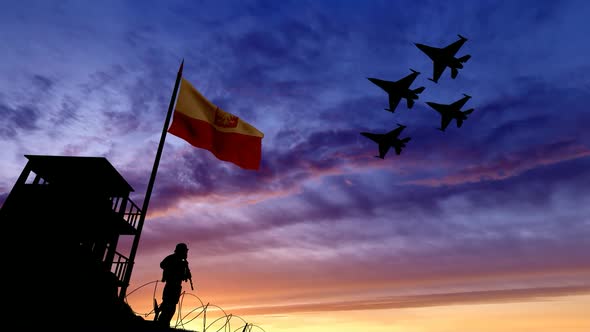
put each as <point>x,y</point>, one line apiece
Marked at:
<point>393,102</point>
<point>407,81</point>
<point>395,132</point>
<point>383,149</point>
<point>440,108</point>
<point>374,137</point>
<point>431,52</point>
<point>444,122</point>
<point>439,68</point>
<point>459,103</point>
<point>385,85</point>
<point>453,48</point>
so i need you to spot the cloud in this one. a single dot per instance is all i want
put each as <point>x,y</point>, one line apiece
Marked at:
<point>17,120</point>
<point>515,226</point>
<point>421,301</point>
<point>23,117</point>
<point>42,83</point>
<point>512,164</point>
<point>3,198</point>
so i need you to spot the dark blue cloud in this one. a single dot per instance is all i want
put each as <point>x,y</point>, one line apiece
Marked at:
<point>17,120</point>
<point>42,83</point>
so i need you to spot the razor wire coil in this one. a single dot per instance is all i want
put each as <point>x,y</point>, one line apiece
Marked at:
<point>184,319</point>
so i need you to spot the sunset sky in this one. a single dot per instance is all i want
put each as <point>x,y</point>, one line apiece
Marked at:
<point>483,228</point>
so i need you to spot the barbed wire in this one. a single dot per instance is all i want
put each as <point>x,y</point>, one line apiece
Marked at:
<point>184,319</point>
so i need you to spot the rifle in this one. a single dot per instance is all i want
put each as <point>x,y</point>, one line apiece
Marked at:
<point>190,276</point>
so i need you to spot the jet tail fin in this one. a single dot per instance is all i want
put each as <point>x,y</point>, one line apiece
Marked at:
<point>464,59</point>
<point>418,90</point>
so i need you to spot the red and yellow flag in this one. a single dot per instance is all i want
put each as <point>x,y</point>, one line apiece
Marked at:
<point>206,126</point>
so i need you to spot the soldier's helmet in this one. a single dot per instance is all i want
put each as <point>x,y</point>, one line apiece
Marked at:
<point>181,247</point>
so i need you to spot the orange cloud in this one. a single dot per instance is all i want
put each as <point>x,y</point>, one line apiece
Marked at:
<point>510,165</point>
<point>417,301</point>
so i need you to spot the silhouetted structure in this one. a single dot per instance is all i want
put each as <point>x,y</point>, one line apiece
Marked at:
<point>396,90</point>
<point>62,222</point>
<point>448,112</point>
<point>388,140</point>
<point>443,57</point>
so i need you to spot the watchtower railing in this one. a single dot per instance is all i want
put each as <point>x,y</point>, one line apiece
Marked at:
<point>127,209</point>
<point>119,266</point>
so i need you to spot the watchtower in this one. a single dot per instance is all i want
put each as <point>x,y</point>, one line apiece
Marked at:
<point>64,217</point>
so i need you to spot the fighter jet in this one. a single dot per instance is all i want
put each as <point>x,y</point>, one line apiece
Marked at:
<point>389,140</point>
<point>443,57</point>
<point>452,111</point>
<point>399,89</point>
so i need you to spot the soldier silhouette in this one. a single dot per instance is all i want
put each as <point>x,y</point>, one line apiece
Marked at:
<point>175,271</point>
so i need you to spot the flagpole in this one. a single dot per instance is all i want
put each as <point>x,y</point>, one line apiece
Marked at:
<point>150,186</point>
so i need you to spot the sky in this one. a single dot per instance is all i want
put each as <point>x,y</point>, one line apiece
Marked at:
<point>483,228</point>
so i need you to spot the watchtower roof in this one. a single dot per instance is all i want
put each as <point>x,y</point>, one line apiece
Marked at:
<point>94,173</point>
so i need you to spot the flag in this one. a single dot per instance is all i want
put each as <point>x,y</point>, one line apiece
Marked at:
<point>206,126</point>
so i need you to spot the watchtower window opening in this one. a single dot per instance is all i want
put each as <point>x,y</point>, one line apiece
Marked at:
<point>115,203</point>
<point>34,178</point>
